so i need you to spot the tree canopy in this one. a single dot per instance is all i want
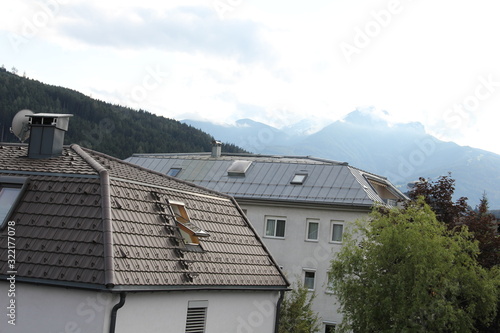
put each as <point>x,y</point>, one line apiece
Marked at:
<point>439,196</point>
<point>404,271</point>
<point>296,315</point>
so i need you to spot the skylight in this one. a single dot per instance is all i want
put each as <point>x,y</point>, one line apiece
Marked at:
<point>10,190</point>
<point>173,172</point>
<point>299,178</point>
<point>238,168</point>
<point>189,231</point>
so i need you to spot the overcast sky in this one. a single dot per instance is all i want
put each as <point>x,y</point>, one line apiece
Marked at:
<point>279,62</point>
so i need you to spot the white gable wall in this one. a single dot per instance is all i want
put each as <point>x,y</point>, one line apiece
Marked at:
<point>295,254</point>
<point>62,310</point>
<point>227,311</point>
<point>56,309</point>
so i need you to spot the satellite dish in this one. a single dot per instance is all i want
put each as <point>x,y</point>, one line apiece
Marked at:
<point>20,125</point>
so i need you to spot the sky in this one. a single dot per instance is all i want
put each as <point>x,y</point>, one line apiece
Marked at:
<point>277,62</point>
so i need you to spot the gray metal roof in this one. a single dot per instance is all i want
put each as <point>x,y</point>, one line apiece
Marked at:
<point>88,219</point>
<point>270,177</point>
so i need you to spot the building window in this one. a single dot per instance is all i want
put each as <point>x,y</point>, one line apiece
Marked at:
<point>329,328</point>
<point>189,231</point>
<point>299,178</point>
<point>309,277</point>
<point>10,192</point>
<point>196,317</point>
<point>173,172</point>
<point>337,232</point>
<point>312,230</point>
<point>275,227</point>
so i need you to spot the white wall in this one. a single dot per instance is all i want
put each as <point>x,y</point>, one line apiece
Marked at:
<point>45,309</point>
<point>59,310</point>
<point>294,253</point>
<point>228,311</point>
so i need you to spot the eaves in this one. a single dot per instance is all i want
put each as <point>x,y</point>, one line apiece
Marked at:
<point>143,288</point>
<point>352,207</point>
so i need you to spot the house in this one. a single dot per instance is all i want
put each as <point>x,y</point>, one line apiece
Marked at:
<point>298,205</point>
<point>91,243</point>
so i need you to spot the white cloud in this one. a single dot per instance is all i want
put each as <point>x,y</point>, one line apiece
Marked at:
<point>277,62</point>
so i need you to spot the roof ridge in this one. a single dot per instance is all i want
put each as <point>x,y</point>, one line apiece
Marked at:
<point>369,173</point>
<point>139,167</point>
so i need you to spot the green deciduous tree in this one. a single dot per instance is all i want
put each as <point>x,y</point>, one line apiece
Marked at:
<point>296,315</point>
<point>404,271</point>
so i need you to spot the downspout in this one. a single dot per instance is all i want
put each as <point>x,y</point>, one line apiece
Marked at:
<point>112,322</point>
<point>109,278</point>
<point>278,311</point>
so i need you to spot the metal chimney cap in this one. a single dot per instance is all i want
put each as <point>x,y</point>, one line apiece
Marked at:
<point>49,115</point>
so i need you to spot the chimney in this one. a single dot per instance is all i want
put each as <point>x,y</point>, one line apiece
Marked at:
<point>216,148</point>
<point>47,134</point>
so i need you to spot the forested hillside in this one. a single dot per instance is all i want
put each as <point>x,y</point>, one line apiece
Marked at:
<point>111,129</point>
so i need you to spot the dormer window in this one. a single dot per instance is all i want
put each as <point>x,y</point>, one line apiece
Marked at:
<point>190,232</point>
<point>384,191</point>
<point>299,178</point>
<point>10,192</point>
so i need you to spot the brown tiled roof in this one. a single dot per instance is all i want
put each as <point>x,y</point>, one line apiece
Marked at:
<point>87,219</point>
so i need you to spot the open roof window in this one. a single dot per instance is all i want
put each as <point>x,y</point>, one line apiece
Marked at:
<point>299,178</point>
<point>190,231</point>
<point>238,168</point>
<point>173,172</point>
<point>384,191</point>
<point>10,192</point>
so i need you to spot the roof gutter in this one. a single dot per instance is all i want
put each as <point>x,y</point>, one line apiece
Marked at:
<point>109,279</point>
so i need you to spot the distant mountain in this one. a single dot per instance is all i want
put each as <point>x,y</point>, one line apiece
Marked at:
<point>402,152</point>
<point>111,129</point>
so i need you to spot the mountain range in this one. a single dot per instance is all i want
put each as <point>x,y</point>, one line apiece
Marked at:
<point>402,152</point>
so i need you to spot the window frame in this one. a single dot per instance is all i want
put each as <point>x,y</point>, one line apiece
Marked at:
<point>299,178</point>
<point>20,183</point>
<point>333,223</point>
<point>276,219</point>
<point>173,172</point>
<point>313,271</point>
<point>190,232</point>
<point>308,223</point>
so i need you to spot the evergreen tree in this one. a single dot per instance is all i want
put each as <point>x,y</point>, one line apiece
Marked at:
<point>111,129</point>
